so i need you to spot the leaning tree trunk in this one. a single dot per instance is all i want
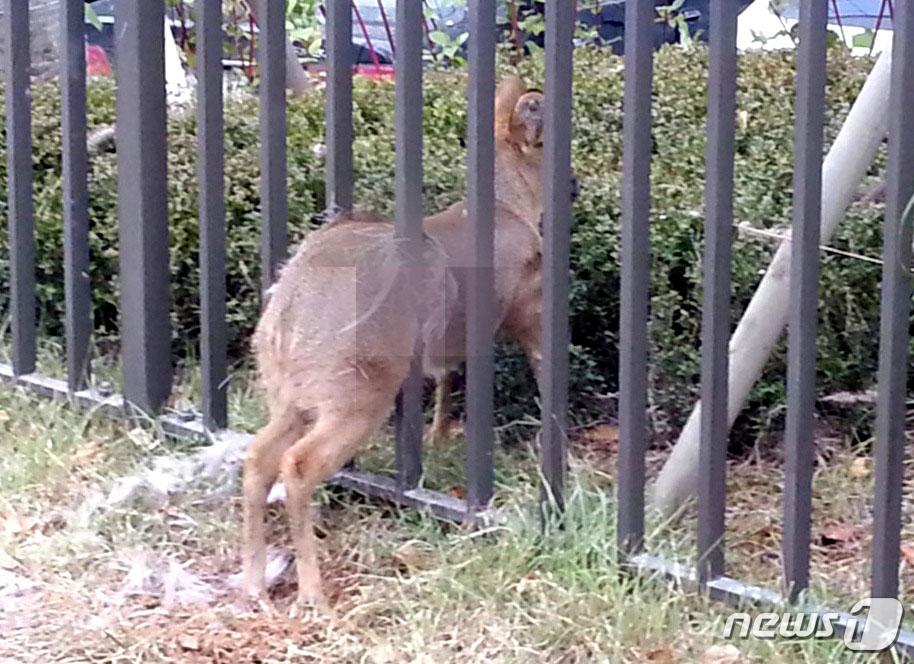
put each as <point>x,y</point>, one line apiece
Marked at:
<point>297,81</point>
<point>766,317</point>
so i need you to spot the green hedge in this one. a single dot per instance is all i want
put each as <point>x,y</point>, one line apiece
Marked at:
<point>763,198</point>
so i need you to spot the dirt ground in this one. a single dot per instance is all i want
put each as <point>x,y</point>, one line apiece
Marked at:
<point>153,580</point>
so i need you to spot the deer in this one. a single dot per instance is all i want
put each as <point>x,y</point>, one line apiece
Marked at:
<point>346,315</point>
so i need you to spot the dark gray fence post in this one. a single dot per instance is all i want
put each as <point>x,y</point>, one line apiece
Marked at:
<point>77,286</point>
<point>715,333</point>
<point>481,236</point>
<point>212,214</point>
<point>560,22</point>
<point>408,220</point>
<point>142,203</point>
<point>274,204</point>
<point>636,220</point>
<point>339,105</point>
<point>19,174</point>
<point>895,317</point>
<point>804,300</point>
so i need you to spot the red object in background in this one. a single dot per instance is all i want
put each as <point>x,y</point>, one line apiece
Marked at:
<point>97,61</point>
<point>375,72</point>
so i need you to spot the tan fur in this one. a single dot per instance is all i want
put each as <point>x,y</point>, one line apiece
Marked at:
<point>334,343</point>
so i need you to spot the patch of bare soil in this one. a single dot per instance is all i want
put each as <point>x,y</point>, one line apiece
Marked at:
<point>841,539</point>
<point>166,612</point>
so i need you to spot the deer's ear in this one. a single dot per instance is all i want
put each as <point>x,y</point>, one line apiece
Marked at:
<point>527,120</point>
<point>508,93</point>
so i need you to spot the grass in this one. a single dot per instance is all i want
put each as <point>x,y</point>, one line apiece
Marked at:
<point>407,588</point>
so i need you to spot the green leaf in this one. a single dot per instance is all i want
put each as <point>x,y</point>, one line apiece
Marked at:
<point>92,18</point>
<point>440,38</point>
<point>864,39</point>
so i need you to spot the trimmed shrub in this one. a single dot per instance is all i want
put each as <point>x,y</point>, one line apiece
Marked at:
<point>849,308</point>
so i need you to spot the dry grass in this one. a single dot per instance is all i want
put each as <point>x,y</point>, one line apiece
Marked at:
<point>405,587</point>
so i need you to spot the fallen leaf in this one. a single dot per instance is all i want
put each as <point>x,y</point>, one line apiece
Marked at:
<point>458,492</point>
<point>907,553</point>
<point>381,654</point>
<point>605,434</point>
<point>189,642</point>
<point>4,416</point>
<point>662,655</point>
<point>841,534</point>
<point>521,586</point>
<point>7,562</point>
<point>87,454</point>
<point>860,468</point>
<point>53,523</point>
<point>12,524</point>
<point>742,119</point>
<point>409,556</point>
<point>725,654</point>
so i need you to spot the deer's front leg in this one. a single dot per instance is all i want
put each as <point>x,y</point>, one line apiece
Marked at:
<point>524,326</point>
<point>441,420</point>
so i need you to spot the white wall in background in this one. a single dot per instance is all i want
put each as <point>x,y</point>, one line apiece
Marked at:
<point>758,19</point>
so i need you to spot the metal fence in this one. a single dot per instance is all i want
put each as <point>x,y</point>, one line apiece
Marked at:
<point>143,224</point>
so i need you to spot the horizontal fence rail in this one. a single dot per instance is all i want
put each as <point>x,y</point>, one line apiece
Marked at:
<point>143,240</point>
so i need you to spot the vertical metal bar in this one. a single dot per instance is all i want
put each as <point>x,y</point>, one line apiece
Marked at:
<point>409,428</point>
<point>142,203</point>
<point>408,219</point>
<point>557,247</point>
<point>274,204</point>
<point>77,287</point>
<point>896,301</point>
<point>481,236</point>
<point>804,293</point>
<point>212,214</point>
<point>636,219</point>
<point>19,173</point>
<point>339,106</point>
<point>715,332</point>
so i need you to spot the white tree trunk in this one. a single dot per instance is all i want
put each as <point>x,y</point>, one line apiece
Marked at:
<point>177,85</point>
<point>766,316</point>
<point>297,81</point>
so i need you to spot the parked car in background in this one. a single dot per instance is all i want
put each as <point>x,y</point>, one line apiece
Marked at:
<point>687,21</point>
<point>373,29</point>
<point>373,24</point>
<point>446,25</point>
<point>101,33</point>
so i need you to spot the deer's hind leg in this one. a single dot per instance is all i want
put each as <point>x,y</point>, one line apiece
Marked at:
<point>334,439</point>
<point>261,468</point>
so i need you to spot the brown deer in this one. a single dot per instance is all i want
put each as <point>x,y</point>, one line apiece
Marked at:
<point>344,318</point>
